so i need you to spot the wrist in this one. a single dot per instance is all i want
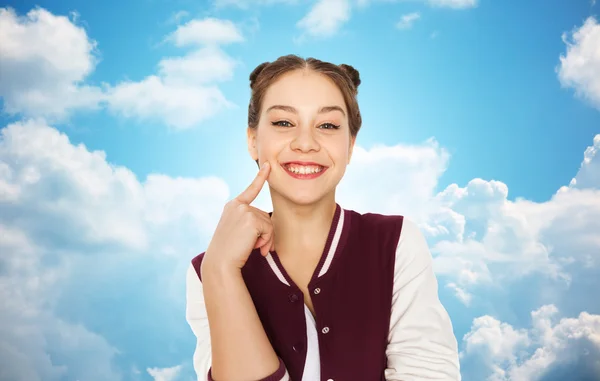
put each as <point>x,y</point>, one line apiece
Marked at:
<point>220,269</point>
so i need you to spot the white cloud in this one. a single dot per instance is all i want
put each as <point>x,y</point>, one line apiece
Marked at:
<point>579,68</point>
<point>505,240</point>
<point>420,166</point>
<point>588,175</point>
<point>184,92</point>
<point>456,4</point>
<point>44,60</point>
<point>478,236</point>
<point>164,374</point>
<point>62,172</point>
<point>177,106</point>
<point>325,18</point>
<point>177,17</point>
<point>78,197</point>
<point>494,340</point>
<point>208,31</point>
<point>452,4</point>
<point>200,67</point>
<point>486,238</point>
<point>28,330</point>
<point>549,350</point>
<point>407,21</point>
<point>245,4</point>
<point>460,293</point>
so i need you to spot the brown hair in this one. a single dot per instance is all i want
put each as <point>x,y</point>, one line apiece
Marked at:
<point>344,76</point>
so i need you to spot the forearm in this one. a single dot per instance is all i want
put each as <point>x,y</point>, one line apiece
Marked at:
<point>241,350</point>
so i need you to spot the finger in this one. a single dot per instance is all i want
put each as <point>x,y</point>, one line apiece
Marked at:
<point>264,251</point>
<point>267,218</point>
<point>248,195</point>
<point>265,233</point>
<point>268,247</point>
<point>264,239</point>
<point>264,244</point>
<point>261,241</point>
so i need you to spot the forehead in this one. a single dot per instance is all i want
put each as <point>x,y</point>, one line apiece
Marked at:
<point>304,89</point>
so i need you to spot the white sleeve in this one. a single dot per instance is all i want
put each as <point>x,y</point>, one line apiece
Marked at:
<point>421,341</point>
<point>196,317</point>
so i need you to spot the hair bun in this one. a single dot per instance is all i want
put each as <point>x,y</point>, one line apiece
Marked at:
<point>255,73</point>
<point>352,73</point>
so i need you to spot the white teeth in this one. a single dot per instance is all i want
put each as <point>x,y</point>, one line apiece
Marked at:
<point>302,170</point>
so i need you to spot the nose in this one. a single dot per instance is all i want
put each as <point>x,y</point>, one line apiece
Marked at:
<point>305,140</point>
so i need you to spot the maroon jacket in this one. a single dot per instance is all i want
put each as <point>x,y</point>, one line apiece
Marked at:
<point>352,292</point>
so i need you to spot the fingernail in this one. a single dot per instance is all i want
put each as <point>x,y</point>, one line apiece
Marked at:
<point>264,165</point>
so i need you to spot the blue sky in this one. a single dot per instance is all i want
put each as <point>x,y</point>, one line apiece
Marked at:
<point>123,133</point>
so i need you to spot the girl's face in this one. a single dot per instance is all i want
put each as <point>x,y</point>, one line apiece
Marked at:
<point>304,134</point>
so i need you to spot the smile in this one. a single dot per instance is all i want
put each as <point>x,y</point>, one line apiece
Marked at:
<point>304,171</point>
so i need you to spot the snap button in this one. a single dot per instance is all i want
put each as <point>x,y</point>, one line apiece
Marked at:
<point>317,291</point>
<point>293,298</point>
<point>325,330</point>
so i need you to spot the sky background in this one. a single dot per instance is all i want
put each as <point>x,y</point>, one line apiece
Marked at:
<point>123,135</point>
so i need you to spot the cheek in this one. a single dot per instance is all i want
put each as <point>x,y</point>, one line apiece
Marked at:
<point>342,147</point>
<point>339,155</point>
<point>267,146</point>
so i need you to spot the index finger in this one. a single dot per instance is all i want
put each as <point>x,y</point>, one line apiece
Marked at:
<point>248,195</point>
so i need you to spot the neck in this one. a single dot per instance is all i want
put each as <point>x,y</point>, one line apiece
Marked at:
<point>301,228</point>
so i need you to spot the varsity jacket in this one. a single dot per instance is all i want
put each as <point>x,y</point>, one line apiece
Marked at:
<point>378,316</point>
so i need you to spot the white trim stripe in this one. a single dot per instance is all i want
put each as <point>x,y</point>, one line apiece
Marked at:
<point>334,244</point>
<point>275,269</point>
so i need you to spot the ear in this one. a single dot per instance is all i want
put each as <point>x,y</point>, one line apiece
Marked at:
<point>352,141</point>
<point>252,143</point>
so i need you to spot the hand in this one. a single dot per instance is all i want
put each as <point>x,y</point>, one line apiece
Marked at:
<point>242,228</point>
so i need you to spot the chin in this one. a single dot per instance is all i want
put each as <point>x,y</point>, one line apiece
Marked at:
<point>305,199</point>
<point>302,197</point>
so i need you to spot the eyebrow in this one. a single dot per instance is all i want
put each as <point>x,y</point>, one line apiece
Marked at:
<point>322,110</point>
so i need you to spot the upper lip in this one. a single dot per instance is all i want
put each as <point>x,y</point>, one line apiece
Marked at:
<point>303,163</point>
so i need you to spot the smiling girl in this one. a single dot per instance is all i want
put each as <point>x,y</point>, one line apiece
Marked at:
<point>311,291</point>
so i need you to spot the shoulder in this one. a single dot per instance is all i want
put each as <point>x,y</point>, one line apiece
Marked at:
<point>411,234</point>
<point>408,227</point>
<point>377,224</point>
<point>411,247</point>
<point>378,219</point>
<point>409,237</point>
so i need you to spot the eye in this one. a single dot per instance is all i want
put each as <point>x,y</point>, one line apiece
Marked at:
<point>329,126</point>
<point>282,123</point>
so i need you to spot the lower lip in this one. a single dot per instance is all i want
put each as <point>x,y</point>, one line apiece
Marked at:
<point>305,176</point>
